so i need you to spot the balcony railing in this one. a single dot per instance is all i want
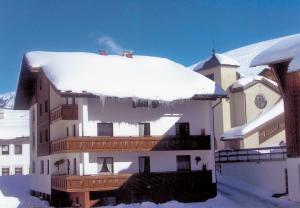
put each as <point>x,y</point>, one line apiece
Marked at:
<point>88,183</point>
<point>137,181</point>
<point>162,143</point>
<point>64,112</point>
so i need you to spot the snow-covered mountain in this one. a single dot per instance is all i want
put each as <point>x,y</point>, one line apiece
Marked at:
<point>7,100</point>
<point>245,54</point>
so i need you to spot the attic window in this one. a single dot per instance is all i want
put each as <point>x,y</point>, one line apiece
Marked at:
<point>140,104</point>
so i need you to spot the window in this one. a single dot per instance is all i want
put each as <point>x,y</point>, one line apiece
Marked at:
<point>105,165</point>
<point>211,77</point>
<point>18,149</point>
<point>46,106</point>
<point>183,162</point>
<point>144,129</point>
<point>260,101</point>
<point>182,129</point>
<point>46,135</point>
<point>5,171</point>
<point>41,136</point>
<point>5,149</point>
<point>74,130</point>
<point>33,167</point>
<point>74,167</point>
<point>41,166</point>
<point>41,109</point>
<point>18,171</point>
<point>140,104</point>
<point>144,164</point>
<point>105,129</point>
<point>48,167</point>
<point>67,131</point>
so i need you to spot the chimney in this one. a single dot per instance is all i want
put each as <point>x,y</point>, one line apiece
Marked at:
<point>103,52</point>
<point>128,54</point>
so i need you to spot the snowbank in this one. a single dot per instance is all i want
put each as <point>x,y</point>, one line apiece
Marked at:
<point>239,131</point>
<point>284,50</point>
<point>14,192</point>
<point>141,77</point>
<point>14,124</point>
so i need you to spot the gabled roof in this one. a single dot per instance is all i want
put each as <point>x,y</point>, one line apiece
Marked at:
<point>142,77</point>
<point>287,50</point>
<point>216,60</point>
<point>247,82</point>
<point>239,132</point>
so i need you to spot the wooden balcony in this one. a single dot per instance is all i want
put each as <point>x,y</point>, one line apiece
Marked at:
<point>64,112</point>
<point>101,144</point>
<point>88,183</point>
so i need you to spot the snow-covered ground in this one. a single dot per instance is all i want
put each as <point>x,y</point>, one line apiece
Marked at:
<point>14,193</point>
<point>232,193</point>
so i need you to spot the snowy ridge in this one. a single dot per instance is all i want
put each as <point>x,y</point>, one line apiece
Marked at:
<point>284,50</point>
<point>14,124</point>
<point>238,132</point>
<point>7,100</point>
<point>118,76</point>
<point>242,82</point>
<point>244,56</point>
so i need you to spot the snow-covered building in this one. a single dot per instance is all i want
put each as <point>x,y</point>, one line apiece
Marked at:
<point>248,98</point>
<point>108,129</point>
<point>14,142</point>
<point>284,59</point>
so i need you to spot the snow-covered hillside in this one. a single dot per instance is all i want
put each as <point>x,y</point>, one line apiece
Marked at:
<point>7,100</point>
<point>244,56</point>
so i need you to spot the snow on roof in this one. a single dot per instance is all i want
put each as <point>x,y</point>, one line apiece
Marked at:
<point>216,60</point>
<point>142,77</point>
<point>238,132</point>
<point>242,82</point>
<point>245,54</point>
<point>14,124</point>
<point>285,50</point>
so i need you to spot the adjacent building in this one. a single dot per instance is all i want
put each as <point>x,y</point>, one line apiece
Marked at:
<point>14,142</point>
<point>108,129</point>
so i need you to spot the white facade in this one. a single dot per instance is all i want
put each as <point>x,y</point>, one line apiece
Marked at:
<point>293,166</point>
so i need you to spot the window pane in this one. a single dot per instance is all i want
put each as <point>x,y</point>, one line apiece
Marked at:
<point>144,129</point>
<point>5,150</point>
<point>183,163</point>
<point>5,171</point>
<point>105,164</point>
<point>18,149</point>
<point>105,129</point>
<point>18,171</point>
<point>144,164</point>
<point>182,129</point>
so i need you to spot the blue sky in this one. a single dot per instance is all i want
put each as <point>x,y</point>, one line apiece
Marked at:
<point>183,31</point>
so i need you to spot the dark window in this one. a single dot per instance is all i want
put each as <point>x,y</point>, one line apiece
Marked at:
<point>42,167</point>
<point>5,171</point>
<point>5,149</point>
<point>67,131</point>
<point>41,109</point>
<point>140,104</point>
<point>18,149</point>
<point>182,129</point>
<point>74,130</point>
<point>46,106</point>
<point>105,165</point>
<point>211,77</point>
<point>46,135</point>
<point>183,162</point>
<point>41,136</point>
<point>144,129</point>
<point>74,167</point>
<point>18,171</point>
<point>105,129</point>
<point>48,167</point>
<point>33,167</point>
<point>144,164</point>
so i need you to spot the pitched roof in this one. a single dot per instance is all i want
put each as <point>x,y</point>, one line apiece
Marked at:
<point>142,77</point>
<point>216,60</point>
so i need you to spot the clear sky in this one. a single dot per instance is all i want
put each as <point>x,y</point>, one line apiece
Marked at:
<point>183,31</point>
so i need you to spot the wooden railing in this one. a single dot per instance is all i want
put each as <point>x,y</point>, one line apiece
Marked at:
<point>64,112</point>
<point>251,155</point>
<point>136,181</point>
<point>88,183</point>
<point>96,144</point>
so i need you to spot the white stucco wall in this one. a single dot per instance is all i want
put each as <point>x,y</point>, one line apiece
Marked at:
<point>293,167</point>
<point>260,174</point>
